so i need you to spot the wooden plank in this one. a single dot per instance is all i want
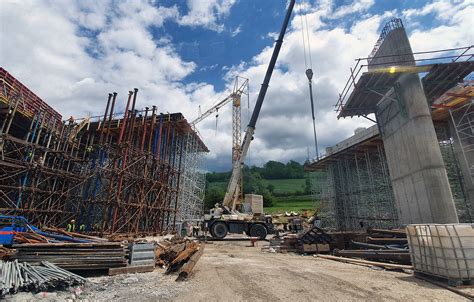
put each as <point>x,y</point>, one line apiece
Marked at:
<point>188,266</point>
<point>131,269</point>
<point>366,262</point>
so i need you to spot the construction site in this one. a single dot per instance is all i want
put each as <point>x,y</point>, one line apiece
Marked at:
<point>111,206</point>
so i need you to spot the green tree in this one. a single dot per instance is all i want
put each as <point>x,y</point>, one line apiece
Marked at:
<point>294,170</point>
<point>213,196</point>
<point>274,170</point>
<point>271,188</point>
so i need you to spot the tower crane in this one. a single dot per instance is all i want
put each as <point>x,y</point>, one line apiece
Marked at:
<point>241,87</point>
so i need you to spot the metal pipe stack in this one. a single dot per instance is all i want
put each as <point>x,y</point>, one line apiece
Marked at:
<point>20,276</point>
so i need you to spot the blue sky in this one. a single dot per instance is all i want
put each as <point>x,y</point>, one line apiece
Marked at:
<point>185,54</point>
<point>215,52</point>
<point>245,33</point>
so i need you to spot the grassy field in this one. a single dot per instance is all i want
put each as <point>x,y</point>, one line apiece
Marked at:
<point>291,203</point>
<point>282,203</point>
<point>287,185</point>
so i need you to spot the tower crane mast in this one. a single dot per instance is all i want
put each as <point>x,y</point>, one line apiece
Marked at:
<point>241,86</point>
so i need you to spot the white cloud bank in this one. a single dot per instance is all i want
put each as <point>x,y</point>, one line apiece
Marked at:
<point>72,53</point>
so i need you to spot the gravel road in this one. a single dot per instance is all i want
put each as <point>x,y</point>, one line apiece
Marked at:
<point>233,271</point>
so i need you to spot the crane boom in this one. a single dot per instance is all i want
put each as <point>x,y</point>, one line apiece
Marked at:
<point>240,90</point>
<point>230,196</point>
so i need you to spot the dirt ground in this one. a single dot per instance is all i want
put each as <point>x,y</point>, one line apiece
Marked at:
<point>233,271</point>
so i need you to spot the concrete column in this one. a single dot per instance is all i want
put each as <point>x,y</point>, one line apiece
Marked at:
<point>418,174</point>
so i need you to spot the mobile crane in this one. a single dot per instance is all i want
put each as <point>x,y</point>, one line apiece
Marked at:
<point>225,218</point>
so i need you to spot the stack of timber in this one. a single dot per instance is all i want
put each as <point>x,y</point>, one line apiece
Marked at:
<point>74,256</point>
<point>178,255</point>
<point>6,253</point>
<point>53,235</point>
<point>381,245</point>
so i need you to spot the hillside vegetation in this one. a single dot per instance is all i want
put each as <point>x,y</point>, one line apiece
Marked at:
<point>283,186</point>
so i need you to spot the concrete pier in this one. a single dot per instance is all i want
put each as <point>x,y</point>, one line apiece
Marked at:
<point>419,179</point>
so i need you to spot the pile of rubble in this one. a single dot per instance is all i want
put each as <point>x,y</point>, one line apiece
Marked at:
<point>313,240</point>
<point>384,248</point>
<point>35,262</point>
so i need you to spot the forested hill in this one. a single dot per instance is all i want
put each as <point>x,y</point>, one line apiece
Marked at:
<point>270,170</point>
<point>283,186</point>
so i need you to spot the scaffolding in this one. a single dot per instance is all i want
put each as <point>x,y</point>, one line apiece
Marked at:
<point>121,173</point>
<point>354,184</point>
<point>322,194</point>
<point>191,198</point>
<point>453,170</point>
<point>463,121</point>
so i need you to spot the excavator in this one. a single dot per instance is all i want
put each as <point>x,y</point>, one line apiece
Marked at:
<point>224,218</point>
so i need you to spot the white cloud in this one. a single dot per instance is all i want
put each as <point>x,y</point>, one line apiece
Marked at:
<point>455,25</point>
<point>207,13</point>
<point>236,31</point>
<point>74,72</point>
<point>284,129</point>
<point>47,46</point>
<point>441,9</point>
<point>358,6</point>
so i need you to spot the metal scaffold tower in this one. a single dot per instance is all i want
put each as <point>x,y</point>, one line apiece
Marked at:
<point>363,193</point>
<point>453,170</point>
<point>322,194</point>
<point>191,196</point>
<point>463,121</point>
<point>120,173</point>
<point>354,184</point>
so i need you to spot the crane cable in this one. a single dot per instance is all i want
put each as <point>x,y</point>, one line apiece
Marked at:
<point>309,69</point>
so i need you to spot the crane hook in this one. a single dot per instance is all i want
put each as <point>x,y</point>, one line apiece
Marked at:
<point>309,74</point>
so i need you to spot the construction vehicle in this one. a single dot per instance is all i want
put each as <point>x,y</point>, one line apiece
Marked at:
<point>224,219</point>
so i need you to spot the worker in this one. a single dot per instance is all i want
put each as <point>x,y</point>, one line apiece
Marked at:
<point>82,228</point>
<point>71,227</point>
<point>196,231</point>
